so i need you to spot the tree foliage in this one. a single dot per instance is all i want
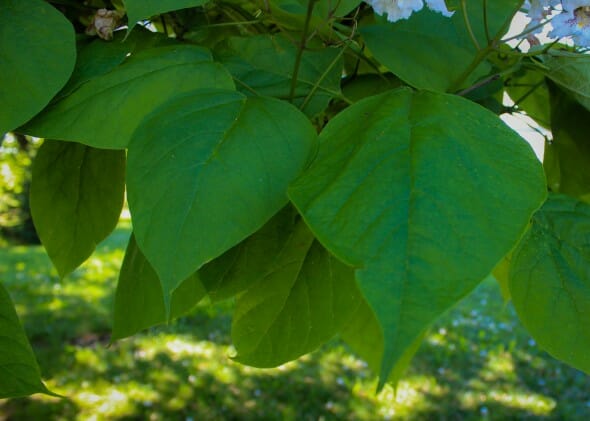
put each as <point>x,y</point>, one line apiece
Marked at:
<point>333,172</point>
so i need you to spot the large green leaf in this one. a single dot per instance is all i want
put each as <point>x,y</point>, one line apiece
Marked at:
<point>264,64</point>
<point>298,303</point>
<point>76,198</point>
<point>424,193</point>
<point>430,51</point>
<point>550,280</point>
<point>567,157</point>
<point>208,169</point>
<point>37,57</point>
<point>19,373</point>
<point>139,300</point>
<point>142,9</point>
<point>571,72</point>
<point>104,111</point>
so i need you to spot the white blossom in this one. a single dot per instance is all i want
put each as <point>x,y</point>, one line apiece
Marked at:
<point>569,18</point>
<point>403,9</point>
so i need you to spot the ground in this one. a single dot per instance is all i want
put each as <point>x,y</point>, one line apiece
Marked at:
<point>477,362</point>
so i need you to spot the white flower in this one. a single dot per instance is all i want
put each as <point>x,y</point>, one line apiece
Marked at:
<point>403,9</point>
<point>573,21</point>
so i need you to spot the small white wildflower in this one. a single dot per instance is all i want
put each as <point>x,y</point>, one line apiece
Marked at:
<point>403,9</point>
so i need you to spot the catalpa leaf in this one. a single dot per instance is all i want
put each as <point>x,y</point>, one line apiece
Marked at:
<point>263,65</point>
<point>139,300</point>
<point>567,157</point>
<point>19,373</point>
<point>208,169</point>
<point>238,268</point>
<point>550,280</point>
<point>104,111</point>
<point>38,55</point>
<point>424,193</point>
<point>76,195</point>
<point>143,9</point>
<point>299,301</point>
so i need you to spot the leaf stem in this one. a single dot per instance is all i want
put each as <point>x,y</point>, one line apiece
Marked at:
<point>468,25</point>
<point>485,21</point>
<point>301,48</point>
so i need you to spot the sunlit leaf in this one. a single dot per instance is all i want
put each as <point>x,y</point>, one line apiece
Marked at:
<point>76,198</point>
<point>105,110</point>
<point>208,169</point>
<point>37,57</point>
<point>550,280</point>
<point>424,193</point>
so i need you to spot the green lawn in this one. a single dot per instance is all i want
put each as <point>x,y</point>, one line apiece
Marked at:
<point>477,363</point>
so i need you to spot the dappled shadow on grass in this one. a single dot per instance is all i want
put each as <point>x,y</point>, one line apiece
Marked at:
<point>476,363</point>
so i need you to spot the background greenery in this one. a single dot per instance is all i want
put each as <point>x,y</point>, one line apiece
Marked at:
<point>477,362</point>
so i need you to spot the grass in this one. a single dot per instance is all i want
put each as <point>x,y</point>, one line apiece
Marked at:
<point>477,362</point>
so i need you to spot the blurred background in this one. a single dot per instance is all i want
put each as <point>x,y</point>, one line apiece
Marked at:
<point>476,363</point>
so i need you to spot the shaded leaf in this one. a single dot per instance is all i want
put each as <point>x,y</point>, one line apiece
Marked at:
<point>139,300</point>
<point>550,280</point>
<point>296,305</point>
<point>424,193</point>
<point>143,9</point>
<point>219,165</point>
<point>529,91</point>
<point>38,55</point>
<point>567,157</point>
<point>572,73</point>
<point>77,195</point>
<point>19,372</point>
<point>104,111</point>
<point>264,64</point>
<point>238,268</point>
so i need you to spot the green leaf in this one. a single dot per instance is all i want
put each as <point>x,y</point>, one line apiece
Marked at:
<point>143,9</point>
<point>264,64</point>
<point>363,334</point>
<point>424,193</point>
<point>19,373</point>
<point>297,304</point>
<point>139,300</point>
<point>501,274</point>
<point>550,280</point>
<point>529,91</point>
<point>427,51</point>
<point>38,54</point>
<point>567,157</point>
<point>208,169</point>
<point>571,72</point>
<point>77,195</point>
<point>238,268</point>
<point>105,110</point>
<point>98,57</point>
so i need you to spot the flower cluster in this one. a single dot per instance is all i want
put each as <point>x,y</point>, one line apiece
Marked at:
<point>402,9</point>
<point>570,18</point>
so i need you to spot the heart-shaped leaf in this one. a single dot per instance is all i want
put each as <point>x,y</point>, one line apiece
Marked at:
<point>38,56</point>
<point>424,193</point>
<point>550,280</point>
<point>104,111</point>
<point>208,169</point>
<point>77,194</point>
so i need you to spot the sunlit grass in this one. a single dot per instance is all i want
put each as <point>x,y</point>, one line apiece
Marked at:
<point>476,363</point>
